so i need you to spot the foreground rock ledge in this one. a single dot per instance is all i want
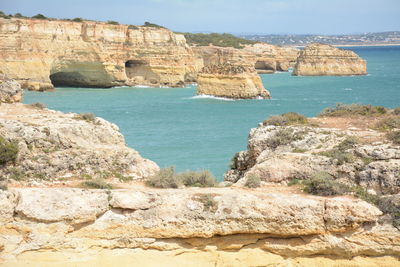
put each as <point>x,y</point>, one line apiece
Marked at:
<point>207,227</point>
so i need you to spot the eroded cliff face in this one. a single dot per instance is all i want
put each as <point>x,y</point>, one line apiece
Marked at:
<point>190,227</point>
<point>326,60</point>
<point>42,53</point>
<point>231,81</point>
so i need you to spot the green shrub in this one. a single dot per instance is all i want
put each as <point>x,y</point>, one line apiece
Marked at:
<point>133,27</point>
<point>253,181</point>
<point>39,16</point>
<point>96,184</point>
<point>208,201</point>
<point>396,111</point>
<point>299,150</point>
<point>198,179</point>
<point>19,15</point>
<point>294,182</point>
<point>388,123</point>
<point>77,19</point>
<point>216,39</point>
<point>339,152</point>
<point>282,137</point>
<point>8,151</point>
<point>112,22</point>
<point>3,186</point>
<point>289,118</point>
<point>322,184</point>
<point>152,25</point>
<point>89,117</point>
<point>348,110</point>
<point>165,178</point>
<point>394,136</point>
<point>38,105</point>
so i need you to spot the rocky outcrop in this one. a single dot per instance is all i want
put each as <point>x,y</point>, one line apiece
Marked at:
<point>10,90</point>
<point>58,226</point>
<point>53,145</point>
<point>321,59</point>
<point>40,54</point>
<point>278,154</point>
<point>231,81</point>
<point>271,58</point>
<point>265,58</point>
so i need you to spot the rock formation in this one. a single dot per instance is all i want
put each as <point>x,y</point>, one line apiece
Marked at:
<point>321,59</point>
<point>10,90</point>
<point>190,227</point>
<point>271,58</point>
<point>53,145</point>
<point>42,53</point>
<point>231,81</point>
<point>278,154</point>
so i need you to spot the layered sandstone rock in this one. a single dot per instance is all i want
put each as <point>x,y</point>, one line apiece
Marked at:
<point>321,59</point>
<point>42,53</point>
<point>10,90</point>
<point>265,58</point>
<point>53,145</point>
<point>190,227</point>
<point>231,81</point>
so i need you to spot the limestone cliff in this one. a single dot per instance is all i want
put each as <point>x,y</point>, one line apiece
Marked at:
<point>51,145</point>
<point>42,53</point>
<point>190,227</point>
<point>10,90</point>
<point>356,155</point>
<point>231,81</point>
<point>321,59</point>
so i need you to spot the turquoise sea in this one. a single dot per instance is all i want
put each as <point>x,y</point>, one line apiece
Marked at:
<point>172,126</point>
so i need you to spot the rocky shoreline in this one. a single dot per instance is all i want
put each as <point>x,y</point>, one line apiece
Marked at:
<point>50,220</point>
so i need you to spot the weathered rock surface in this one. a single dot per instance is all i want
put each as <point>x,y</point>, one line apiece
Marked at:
<point>10,90</point>
<point>55,145</point>
<point>204,224</point>
<point>278,154</point>
<point>231,81</point>
<point>322,59</point>
<point>42,53</point>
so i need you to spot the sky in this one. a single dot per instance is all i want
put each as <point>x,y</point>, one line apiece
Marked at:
<point>233,16</point>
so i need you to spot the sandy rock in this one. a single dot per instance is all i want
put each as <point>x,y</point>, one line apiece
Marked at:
<point>134,200</point>
<point>321,59</point>
<point>71,205</point>
<point>8,202</point>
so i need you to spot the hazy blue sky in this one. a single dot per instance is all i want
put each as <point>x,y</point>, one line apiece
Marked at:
<point>236,16</point>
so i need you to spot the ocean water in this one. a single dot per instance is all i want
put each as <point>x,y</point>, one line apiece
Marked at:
<point>172,126</point>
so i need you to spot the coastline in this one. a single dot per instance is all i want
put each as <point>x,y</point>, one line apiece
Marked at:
<point>358,45</point>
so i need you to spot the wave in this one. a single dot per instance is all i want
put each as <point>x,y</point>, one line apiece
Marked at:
<point>348,89</point>
<point>211,97</point>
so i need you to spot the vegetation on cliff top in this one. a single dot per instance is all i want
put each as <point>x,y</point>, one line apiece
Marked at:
<point>289,118</point>
<point>346,110</point>
<point>216,39</point>
<point>168,178</point>
<point>8,151</point>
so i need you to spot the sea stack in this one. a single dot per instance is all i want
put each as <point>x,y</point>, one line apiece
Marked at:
<point>231,81</point>
<point>325,60</point>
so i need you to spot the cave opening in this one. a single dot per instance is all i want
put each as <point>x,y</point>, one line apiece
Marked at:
<point>140,72</point>
<point>67,78</point>
<point>265,67</point>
